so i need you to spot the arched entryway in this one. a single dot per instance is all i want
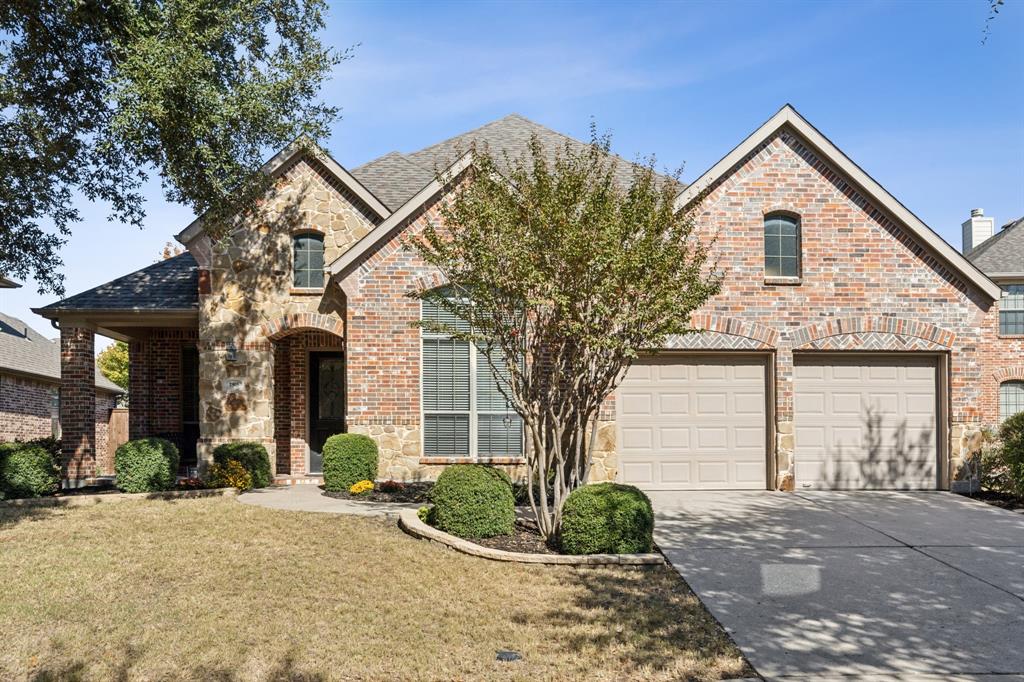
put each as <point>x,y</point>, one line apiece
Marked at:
<point>309,389</point>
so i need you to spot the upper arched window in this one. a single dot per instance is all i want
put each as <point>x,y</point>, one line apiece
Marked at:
<point>1011,399</point>
<point>308,270</point>
<point>781,245</point>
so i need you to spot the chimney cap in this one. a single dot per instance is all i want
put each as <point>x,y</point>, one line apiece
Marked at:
<point>977,212</point>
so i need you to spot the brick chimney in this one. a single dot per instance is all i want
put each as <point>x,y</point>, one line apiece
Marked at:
<point>977,229</point>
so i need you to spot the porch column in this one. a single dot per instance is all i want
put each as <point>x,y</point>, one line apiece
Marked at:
<point>77,402</point>
<point>139,389</point>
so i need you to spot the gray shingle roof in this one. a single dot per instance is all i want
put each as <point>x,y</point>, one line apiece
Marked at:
<point>171,284</point>
<point>1003,252</point>
<point>26,351</point>
<point>395,178</point>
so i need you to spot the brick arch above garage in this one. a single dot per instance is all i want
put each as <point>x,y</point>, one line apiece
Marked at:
<point>872,333</point>
<point>720,332</point>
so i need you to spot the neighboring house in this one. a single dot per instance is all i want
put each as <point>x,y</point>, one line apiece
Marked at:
<point>29,383</point>
<point>850,346</point>
<point>1001,257</point>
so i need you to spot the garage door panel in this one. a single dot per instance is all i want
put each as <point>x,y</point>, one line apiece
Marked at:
<point>707,425</point>
<point>865,421</point>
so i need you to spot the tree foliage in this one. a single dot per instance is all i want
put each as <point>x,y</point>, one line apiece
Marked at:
<point>564,275</point>
<point>113,363</point>
<point>97,95</point>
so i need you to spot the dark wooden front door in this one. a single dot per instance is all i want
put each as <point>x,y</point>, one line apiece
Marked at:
<point>326,403</point>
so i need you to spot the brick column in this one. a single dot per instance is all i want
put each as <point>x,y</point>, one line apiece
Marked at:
<point>77,402</point>
<point>139,389</point>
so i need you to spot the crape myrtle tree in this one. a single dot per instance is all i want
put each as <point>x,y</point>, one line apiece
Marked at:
<point>562,273</point>
<point>96,96</point>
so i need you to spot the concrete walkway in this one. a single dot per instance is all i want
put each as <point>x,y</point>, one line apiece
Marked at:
<point>862,584</point>
<point>311,498</point>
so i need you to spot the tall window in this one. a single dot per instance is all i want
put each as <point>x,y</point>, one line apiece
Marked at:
<point>1011,399</point>
<point>1011,311</point>
<point>308,269</point>
<point>781,246</point>
<point>465,413</point>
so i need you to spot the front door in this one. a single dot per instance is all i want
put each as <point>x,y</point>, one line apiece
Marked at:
<point>326,403</point>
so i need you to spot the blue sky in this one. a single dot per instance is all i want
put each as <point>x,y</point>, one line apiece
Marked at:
<point>905,89</point>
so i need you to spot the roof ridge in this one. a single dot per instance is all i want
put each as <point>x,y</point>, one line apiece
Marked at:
<point>465,133</point>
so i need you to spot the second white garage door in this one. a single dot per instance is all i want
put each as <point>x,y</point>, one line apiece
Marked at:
<point>693,422</point>
<point>865,421</point>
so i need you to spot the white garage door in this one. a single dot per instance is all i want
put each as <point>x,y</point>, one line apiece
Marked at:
<point>693,422</point>
<point>865,421</point>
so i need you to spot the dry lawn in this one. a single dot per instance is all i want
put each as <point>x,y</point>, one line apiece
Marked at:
<point>216,590</point>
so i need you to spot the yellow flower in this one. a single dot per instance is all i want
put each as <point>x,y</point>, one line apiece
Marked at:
<point>361,487</point>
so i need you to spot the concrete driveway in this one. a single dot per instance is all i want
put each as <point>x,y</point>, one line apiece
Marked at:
<point>855,583</point>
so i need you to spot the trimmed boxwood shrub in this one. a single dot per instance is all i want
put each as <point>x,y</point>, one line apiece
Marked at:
<point>1011,433</point>
<point>145,465</point>
<point>607,518</point>
<point>348,459</point>
<point>252,456</point>
<point>473,501</point>
<point>27,470</point>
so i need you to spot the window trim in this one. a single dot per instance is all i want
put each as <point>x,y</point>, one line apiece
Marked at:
<point>473,456</point>
<point>1018,308</point>
<point>295,236</point>
<point>1019,383</point>
<point>783,279</point>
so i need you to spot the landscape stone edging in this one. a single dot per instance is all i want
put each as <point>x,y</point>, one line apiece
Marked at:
<point>85,500</point>
<point>409,521</point>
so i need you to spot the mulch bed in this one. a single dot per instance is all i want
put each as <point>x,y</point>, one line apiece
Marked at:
<point>524,539</point>
<point>997,499</point>
<point>410,493</point>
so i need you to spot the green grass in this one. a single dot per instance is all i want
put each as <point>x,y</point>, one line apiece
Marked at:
<point>213,589</point>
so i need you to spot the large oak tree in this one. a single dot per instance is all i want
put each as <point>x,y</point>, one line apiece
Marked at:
<point>98,95</point>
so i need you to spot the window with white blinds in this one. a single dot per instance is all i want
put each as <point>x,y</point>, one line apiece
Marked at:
<point>465,413</point>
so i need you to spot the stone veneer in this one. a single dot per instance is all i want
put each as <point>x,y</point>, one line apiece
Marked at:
<point>249,311</point>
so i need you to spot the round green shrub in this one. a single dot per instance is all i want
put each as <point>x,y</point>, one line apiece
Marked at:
<point>607,518</point>
<point>473,501</point>
<point>348,459</point>
<point>1011,433</point>
<point>27,470</point>
<point>252,456</point>
<point>146,465</point>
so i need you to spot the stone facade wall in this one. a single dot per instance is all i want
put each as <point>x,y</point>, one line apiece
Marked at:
<point>248,305</point>
<point>27,408</point>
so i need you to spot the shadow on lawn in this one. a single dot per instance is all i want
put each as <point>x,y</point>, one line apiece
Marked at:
<point>647,613</point>
<point>283,671</point>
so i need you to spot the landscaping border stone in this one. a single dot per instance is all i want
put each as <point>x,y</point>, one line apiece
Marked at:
<point>86,500</point>
<point>409,521</point>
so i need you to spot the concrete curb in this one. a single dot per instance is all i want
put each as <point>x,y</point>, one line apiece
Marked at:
<point>410,522</point>
<point>87,500</point>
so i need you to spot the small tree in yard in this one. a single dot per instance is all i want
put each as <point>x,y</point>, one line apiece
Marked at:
<point>562,275</point>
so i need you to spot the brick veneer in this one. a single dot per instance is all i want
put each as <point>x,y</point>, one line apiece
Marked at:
<point>154,381</point>
<point>78,402</point>
<point>26,408</point>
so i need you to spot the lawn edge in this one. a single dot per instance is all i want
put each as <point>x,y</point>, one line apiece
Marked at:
<point>409,521</point>
<point>87,500</point>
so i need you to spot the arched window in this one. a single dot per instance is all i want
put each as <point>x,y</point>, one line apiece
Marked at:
<point>781,245</point>
<point>465,414</point>
<point>1011,399</point>
<point>308,270</point>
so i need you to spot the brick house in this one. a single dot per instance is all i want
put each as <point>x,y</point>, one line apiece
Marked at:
<point>29,384</point>
<point>850,345</point>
